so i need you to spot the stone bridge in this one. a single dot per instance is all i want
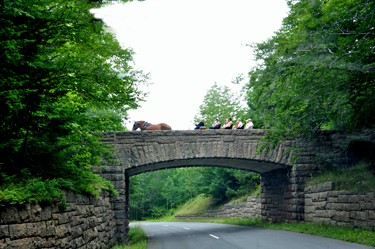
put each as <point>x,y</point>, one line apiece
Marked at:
<point>282,185</point>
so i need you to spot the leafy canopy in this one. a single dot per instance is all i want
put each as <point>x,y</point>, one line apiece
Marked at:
<point>63,79</point>
<point>317,71</point>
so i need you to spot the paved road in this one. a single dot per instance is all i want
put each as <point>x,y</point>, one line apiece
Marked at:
<point>194,235</point>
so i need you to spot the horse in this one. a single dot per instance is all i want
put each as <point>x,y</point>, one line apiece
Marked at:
<point>143,125</point>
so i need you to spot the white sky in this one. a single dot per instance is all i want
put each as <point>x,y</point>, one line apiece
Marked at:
<point>187,46</point>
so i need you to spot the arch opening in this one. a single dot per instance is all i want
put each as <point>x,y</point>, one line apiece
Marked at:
<point>256,166</point>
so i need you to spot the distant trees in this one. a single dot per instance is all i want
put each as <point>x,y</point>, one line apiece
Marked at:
<point>317,71</point>
<point>220,102</point>
<point>156,193</point>
<point>62,80</point>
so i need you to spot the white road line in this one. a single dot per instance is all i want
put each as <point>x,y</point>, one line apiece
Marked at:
<point>186,228</point>
<point>214,236</point>
<point>165,225</point>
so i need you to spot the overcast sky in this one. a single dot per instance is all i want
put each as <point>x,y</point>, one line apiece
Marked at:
<point>187,46</point>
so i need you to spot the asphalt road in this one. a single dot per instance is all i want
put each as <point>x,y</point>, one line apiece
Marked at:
<point>194,235</point>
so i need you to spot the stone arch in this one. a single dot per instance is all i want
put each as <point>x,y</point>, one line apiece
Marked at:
<point>147,148</point>
<point>256,166</point>
<point>282,197</point>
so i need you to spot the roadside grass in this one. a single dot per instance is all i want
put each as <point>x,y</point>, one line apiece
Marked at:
<point>359,177</point>
<point>244,198</point>
<point>360,236</point>
<point>137,240</point>
<point>195,206</point>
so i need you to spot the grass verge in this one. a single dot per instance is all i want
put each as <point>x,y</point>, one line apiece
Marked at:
<point>360,236</point>
<point>137,240</point>
<point>197,205</point>
<point>359,177</point>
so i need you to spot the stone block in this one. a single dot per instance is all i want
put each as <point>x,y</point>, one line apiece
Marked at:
<point>81,210</point>
<point>17,231</point>
<point>36,213</point>
<point>9,215</point>
<point>61,231</point>
<point>354,206</point>
<point>320,205</point>
<point>120,198</point>
<point>113,170</point>
<point>362,215</point>
<point>309,209</point>
<point>92,222</point>
<point>365,205</point>
<point>4,231</point>
<point>371,215</point>
<point>361,223</point>
<point>333,199</point>
<point>24,243</point>
<point>364,198</point>
<point>342,216</point>
<point>327,186</point>
<point>353,198</point>
<point>62,218</point>
<point>76,232</point>
<point>24,212</point>
<point>119,214</point>
<point>46,213</point>
<point>342,198</point>
<point>325,213</point>
<point>336,206</point>
<point>90,234</point>
<point>50,228</point>
<point>119,184</point>
<point>315,197</point>
<point>346,207</point>
<point>82,200</point>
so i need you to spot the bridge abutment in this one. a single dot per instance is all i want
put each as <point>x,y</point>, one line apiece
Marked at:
<point>282,196</point>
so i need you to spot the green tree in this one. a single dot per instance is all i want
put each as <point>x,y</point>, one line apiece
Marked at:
<point>317,71</point>
<point>224,184</point>
<point>63,80</point>
<point>220,102</point>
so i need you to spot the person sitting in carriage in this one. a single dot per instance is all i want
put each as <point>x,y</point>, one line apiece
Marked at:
<point>199,125</point>
<point>239,124</point>
<point>216,124</point>
<point>228,125</point>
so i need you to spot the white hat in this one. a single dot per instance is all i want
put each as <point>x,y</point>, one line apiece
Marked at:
<point>249,119</point>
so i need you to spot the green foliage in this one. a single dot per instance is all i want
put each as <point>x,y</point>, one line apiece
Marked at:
<point>359,177</point>
<point>60,86</point>
<point>197,205</point>
<point>316,72</point>
<point>220,102</point>
<point>154,194</point>
<point>224,184</point>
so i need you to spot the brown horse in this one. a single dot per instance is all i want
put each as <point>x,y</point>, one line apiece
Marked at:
<point>147,126</point>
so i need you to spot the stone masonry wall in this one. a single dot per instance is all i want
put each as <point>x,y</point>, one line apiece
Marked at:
<point>339,207</point>
<point>248,209</point>
<point>88,222</point>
